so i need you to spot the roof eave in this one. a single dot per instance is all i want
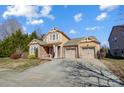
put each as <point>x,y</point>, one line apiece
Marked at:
<point>111,32</point>
<point>69,45</point>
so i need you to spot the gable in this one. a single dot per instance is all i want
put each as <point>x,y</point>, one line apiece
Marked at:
<point>61,35</point>
<point>111,33</point>
<point>115,31</point>
<point>36,41</point>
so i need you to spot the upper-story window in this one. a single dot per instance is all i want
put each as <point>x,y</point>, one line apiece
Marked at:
<point>54,37</point>
<point>114,39</point>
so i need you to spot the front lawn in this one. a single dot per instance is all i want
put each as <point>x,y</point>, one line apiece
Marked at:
<point>18,64</point>
<point>116,65</point>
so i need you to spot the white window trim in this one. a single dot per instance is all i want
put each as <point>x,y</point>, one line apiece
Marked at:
<point>55,38</point>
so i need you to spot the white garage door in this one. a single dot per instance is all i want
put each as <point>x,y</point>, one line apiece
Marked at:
<point>87,53</point>
<point>70,52</point>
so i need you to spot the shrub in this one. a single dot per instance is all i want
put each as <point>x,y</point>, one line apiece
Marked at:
<point>24,55</point>
<point>32,56</point>
<point>101,54</point>
<point>98,54</point>
<point>15,56</point>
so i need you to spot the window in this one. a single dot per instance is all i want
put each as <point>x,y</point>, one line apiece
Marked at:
<point>54,36</point>
<point>35,49</point>
<point>31,49</point>
<point>114,39</point>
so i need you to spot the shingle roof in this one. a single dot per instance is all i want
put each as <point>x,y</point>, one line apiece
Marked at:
<point>37,41</point>
<point>73,42</point>
<point>116,27</point>
<point>120,25</point>
<point>78,40</point>
<point>93,38</point>
<point>63,34</point>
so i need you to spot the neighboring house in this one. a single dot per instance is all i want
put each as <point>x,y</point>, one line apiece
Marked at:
<point>56,44</point>
<point>116,41</point>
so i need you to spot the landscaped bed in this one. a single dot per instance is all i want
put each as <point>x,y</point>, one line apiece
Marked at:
<point>116,65</point>
<point>18,64</point>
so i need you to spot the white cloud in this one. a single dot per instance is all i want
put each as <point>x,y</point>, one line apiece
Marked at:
<point>35,22</point>
<point>78,17</point>
<point>108,7</point>
<point>26,11</point>
<point>72,31</point>
<point>29,12</point>
<point>102,16</point>
<point>94,28</point>
<point>45,12</point>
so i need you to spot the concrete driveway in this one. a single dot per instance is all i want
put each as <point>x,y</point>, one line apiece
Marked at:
<point>62,73</point>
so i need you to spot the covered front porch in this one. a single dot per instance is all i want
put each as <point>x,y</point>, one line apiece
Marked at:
<point>52,50</point>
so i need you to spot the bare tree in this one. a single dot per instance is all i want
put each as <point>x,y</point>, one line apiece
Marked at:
<point>40,33</point>
<point>8,27</point>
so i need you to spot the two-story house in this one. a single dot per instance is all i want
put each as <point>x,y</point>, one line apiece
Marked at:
<point>116,41</point>
<point>56,44</point>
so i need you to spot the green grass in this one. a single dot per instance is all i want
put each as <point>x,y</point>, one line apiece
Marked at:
<point>18,64</point>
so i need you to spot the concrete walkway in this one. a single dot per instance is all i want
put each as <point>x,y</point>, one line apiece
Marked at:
<point>62,73</point>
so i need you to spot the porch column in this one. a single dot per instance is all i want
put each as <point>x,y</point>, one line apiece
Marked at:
<point>55,51</point>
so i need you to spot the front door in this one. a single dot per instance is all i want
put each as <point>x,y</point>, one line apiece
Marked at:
<point>51,52</point>
<point>54,51</point>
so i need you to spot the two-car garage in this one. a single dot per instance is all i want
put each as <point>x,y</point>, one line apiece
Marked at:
<point>86,52</point>
<point>81,48</point>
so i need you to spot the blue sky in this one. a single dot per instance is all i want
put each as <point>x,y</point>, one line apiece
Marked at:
<point>76,21</point>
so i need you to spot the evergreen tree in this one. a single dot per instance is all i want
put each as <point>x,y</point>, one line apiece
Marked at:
<point>33,35</point>
<point>17,41</point>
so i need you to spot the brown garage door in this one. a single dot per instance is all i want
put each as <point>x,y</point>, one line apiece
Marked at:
<point>87,53</point>
<point>70,52</point>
